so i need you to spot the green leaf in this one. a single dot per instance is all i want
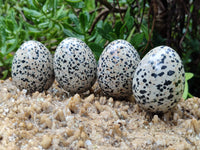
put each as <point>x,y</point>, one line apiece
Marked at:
<point>145,30</point>
<point>32,29</point>
<point>77,5</point>
<point>5,73</point>
<point>8,60</point>
<point>105,34</point>
<point>185,93</point>
<point>73,1</point>
<point>117,28</point>
<point>129,20</point>
<point>190,95</point>
<point>31,13</point>
<point>130,1</point>
<point>188,75</point>
<point>107,28</point>
<point>113,35</point>
<point>93,36</point>
<point>69,27</point>
<point>61,13</point>
<point>1,60</point>
<point>74,19</point>
<point>50,6</point>
<point>49,29</point>
<point>2,36</point>
<point>9,25</point>
<point>83,21</point>
<point>14,46</point>
<point>91,20</point>
<point>129,23</point>
<point>100,24</point>
<point>54,7</point>
<point>90,5</point>
<point>122,30</point>
<point>101,41</point>
<point>70,33</point>
<point>32,4</point>
<point>130,35</point>
<point>96,48</point>
<point>3,49</point>
<point>1,57</point>
<point>47,7</point>
<point>137,39</point>
<point>43,25</point>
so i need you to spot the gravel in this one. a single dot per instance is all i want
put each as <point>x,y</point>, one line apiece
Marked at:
<point>56,120</point>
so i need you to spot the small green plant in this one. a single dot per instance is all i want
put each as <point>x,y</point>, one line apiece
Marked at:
<point>11,36</point>
<point>186,93</point>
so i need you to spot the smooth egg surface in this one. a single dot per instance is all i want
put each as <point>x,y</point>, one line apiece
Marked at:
<point>74,65</point>
<point>32,67</point>
<point>159,80</point>
<point>116,67</point>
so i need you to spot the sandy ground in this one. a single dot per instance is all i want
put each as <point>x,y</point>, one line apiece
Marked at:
<point>55,120</point>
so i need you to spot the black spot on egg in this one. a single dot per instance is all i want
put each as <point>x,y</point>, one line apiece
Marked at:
<point>163,67</point>
<point>167,82</point>
<point>144,80</point>
<point>154,75</point>
<point>161,74</point>
<point>170,72</point>
<point>142,91</point>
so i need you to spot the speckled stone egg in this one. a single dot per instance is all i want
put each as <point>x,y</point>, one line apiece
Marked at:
<point>75,66</point>
<point>159,80</point>
<point>32,67</point>
<point>116,68</point>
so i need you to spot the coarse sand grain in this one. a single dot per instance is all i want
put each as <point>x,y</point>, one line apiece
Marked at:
<point>56,120</point>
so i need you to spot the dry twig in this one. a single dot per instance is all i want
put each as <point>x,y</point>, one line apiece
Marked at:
<point>104,13</point>
<point>100,15</point>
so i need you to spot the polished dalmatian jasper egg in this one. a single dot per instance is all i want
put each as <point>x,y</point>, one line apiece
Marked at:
<point>159,79</point>
<point>116,68</point>
<point>32,67</point>
<point>74,65</point>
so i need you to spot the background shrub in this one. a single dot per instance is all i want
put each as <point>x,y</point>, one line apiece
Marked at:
<point>145,24</point>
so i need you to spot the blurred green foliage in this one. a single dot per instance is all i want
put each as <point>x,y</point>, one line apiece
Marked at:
<point>50,21</point>
<point>95,22</point>
<point>186,93</point>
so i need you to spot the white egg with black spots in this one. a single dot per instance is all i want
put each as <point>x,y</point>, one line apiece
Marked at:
<point>159,80</point>
<point>74,65</point>
<point>116,68</point>
<point>32,67</point>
